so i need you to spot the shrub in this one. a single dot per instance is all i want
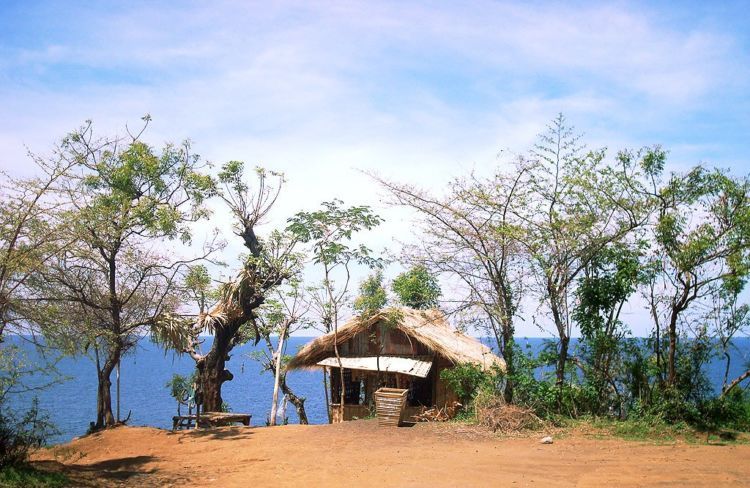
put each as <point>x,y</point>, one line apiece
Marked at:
<point>28,477</point>
<point>731,412</point>
<point>17,437</point>
<point>467,380</point>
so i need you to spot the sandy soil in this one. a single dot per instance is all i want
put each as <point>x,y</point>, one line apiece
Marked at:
<point>361,454</point>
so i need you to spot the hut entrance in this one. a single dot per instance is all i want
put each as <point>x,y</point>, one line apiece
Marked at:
<point>360,387</point>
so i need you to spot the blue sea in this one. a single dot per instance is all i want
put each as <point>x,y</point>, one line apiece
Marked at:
<point>71,404</point>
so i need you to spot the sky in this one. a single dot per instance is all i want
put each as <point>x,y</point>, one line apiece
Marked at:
<point>417,92</point>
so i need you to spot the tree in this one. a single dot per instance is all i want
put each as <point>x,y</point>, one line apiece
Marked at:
<point>372,295</point>
<point>469,235</point>
<point>575,205</point>
<point>730,319</point>
<point>328,231</point>
<point>119,201</point>
<point>282,316</point>
<point>27,236</point>
<point>608,282</point>
<point>693,258</point>
<point>417,288</point>
<point>232,320</point>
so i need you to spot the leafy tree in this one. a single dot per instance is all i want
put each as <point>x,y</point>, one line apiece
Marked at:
<point>575,205</point>
<point>694,258</point>
<point>372,295</point>
<point>417,288</point>
<point>608,282</point>
<point>112,284</point>
<point>281,316</point>
<point>329,231</point>
<point>198,287</point>
<point>730,320</point>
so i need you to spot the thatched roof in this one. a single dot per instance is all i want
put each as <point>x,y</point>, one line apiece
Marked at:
<point>428,327</point>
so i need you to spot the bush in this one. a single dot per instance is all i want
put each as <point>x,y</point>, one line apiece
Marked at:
<point>18,437</point>
<point>467,380</point>
<point>730,412</point>
<point>179,387</point>
<point>28,477</point>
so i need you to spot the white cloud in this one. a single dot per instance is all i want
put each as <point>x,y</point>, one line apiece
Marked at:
<point>418,92</point>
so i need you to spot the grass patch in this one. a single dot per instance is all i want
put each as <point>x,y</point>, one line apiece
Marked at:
<point>28,477</point>
<point>652,430</point>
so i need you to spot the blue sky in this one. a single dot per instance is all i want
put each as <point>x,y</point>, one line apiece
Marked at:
<point>417,91</point>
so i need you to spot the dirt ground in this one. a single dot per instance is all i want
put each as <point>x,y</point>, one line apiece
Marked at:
<point>362,454</point>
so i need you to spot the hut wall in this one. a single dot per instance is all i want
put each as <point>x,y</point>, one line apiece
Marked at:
<point>390,341</point>
<point>351,412</point>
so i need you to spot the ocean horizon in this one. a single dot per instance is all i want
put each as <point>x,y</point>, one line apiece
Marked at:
<point>144,373</point>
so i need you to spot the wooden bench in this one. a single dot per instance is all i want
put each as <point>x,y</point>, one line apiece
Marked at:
<point>217,419</point>
<point>183,422</point>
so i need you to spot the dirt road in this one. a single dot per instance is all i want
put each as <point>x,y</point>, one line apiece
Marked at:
<point>361,454</point>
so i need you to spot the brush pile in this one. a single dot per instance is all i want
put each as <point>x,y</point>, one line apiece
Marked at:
<point>436,414</point>
<point>492,412</point>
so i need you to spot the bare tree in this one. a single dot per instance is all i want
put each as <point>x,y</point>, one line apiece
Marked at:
<point>469,235</point>
<point>282,315</point>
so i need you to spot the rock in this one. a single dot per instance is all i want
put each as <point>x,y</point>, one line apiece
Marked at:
<point>546,440</point>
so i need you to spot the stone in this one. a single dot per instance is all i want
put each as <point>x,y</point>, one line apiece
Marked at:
<point>546,440</point>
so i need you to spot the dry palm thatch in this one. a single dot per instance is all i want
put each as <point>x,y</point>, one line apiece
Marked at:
<point>428,327</point>
<point>181,332</point>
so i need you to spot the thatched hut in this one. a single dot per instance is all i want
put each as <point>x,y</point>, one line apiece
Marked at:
<point>398,348</point>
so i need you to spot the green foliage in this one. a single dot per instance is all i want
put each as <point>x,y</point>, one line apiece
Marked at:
<point>538,391</point>
<point>372,296</point>
<point>467,380</point>
<point>180,387</point>
<point>417,288</point>
<point>731,411</point>
<point>24,476</point>
<point>19,435</point>
<point>330,228</point>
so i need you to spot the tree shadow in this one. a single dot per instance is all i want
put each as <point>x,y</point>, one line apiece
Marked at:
<point>101,473</point>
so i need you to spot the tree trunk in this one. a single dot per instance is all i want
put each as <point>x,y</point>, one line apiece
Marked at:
<point>211,369</point>
<point>508,346</point>
<point>562,360</point>
<point>298,402</point>
<point>325,390</point>
<point>671,359</point>
<point>104,416</point>
<point>735,382</point>
<point>562,357</point>
<point>276,377</point>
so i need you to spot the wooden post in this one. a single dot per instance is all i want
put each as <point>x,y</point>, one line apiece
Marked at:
<point>118,391</point>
